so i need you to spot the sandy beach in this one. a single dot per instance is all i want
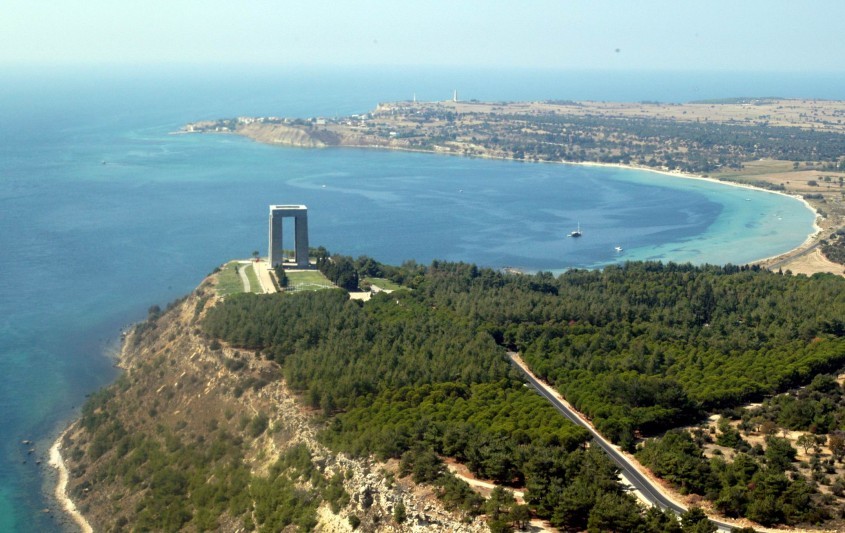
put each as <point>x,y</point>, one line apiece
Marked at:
<point>799,260</point>
<point>65,502</point>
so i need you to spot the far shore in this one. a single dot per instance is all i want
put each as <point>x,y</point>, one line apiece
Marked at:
<point>798,265</point>
<point>66,504</point>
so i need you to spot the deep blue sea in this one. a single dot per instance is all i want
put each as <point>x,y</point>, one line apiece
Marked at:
<point>103,212</point>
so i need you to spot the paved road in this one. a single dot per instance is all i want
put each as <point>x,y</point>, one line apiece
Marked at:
<point>638,480</point>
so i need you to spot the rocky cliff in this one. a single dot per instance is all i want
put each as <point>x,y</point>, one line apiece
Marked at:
<point>196,435</point>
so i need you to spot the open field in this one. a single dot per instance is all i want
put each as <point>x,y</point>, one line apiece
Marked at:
<point>307,280</point>
<point>228,281</point>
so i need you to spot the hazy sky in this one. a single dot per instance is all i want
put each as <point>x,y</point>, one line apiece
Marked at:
<point>629,34</point>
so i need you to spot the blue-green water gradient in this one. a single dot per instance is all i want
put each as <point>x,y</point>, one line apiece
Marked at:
<point>104,213</point>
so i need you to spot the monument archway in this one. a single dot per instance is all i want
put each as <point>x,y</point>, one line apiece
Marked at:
<point>278,213</point>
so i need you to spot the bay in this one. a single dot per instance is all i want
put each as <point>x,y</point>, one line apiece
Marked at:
<point>103,212</point>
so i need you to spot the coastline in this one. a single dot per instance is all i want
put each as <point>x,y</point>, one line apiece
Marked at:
<point>116,353</point>
<point>783,257</point>
<point>808,242</point>
<point>65,502</point>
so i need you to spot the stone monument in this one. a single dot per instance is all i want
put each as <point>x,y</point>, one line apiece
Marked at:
<point>278,213</point>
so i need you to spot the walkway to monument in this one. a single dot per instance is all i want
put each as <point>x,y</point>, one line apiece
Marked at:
<point>242,274</point>
<point>262,271</point>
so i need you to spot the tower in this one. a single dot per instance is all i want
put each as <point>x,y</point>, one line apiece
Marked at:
<point>300,215</point>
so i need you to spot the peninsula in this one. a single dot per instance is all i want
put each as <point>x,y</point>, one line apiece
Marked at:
<point>792,146</point>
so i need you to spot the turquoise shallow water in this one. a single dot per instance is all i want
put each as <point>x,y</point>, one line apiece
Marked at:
<point>87,247</point>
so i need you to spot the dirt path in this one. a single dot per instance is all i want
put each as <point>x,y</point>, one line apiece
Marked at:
<point>486,487</point>
<point>242,266</point>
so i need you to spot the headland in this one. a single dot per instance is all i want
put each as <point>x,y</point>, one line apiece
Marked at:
<point>239,411</point>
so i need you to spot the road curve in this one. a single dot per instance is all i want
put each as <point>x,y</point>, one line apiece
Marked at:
<point>634,477</point>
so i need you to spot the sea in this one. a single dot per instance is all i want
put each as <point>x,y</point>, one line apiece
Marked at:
<point>105,211</point>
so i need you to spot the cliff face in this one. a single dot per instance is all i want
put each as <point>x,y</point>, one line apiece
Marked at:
<point>313,137</point>
<point>285,135</point>
<point>195,435</point>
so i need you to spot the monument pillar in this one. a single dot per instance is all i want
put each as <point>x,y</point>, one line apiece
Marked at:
<point>278,213</point>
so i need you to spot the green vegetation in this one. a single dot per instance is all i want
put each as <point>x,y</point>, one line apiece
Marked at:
<point>172,476</point>
<point>834,248</point>
<point>382,283</point>
<point>281,276</point>
<point>166,473</point>
<point>340,270</point>
<point>460,421</point>
<point>640,348</point>
<point>818,408</point>
<point>645,347</point>
<point>228,280</point>
<point>254,285</point>
<point>754,485</point>
<point>422,374</point>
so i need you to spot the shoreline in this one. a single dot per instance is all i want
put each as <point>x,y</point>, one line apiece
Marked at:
<point>801,247</point>
<point>793,259</point>
<point>65,502</point>
<point>116,352</point>
<point>783,256</point>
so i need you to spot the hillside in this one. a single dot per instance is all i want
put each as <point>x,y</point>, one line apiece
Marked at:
<point>266,410</point>
<point>201,436</point>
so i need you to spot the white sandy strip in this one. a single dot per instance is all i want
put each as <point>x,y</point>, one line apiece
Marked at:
<point>65,502</point>
<point>808,241</point>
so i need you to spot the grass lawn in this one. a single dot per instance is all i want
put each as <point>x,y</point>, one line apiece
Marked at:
<point>228,281</point>
<point>384,283</point>
<point>254,285</point>
<point>307,280</point>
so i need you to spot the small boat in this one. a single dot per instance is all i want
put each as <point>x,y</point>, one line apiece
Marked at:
<point>618,248</point>
<point>577,232</point>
